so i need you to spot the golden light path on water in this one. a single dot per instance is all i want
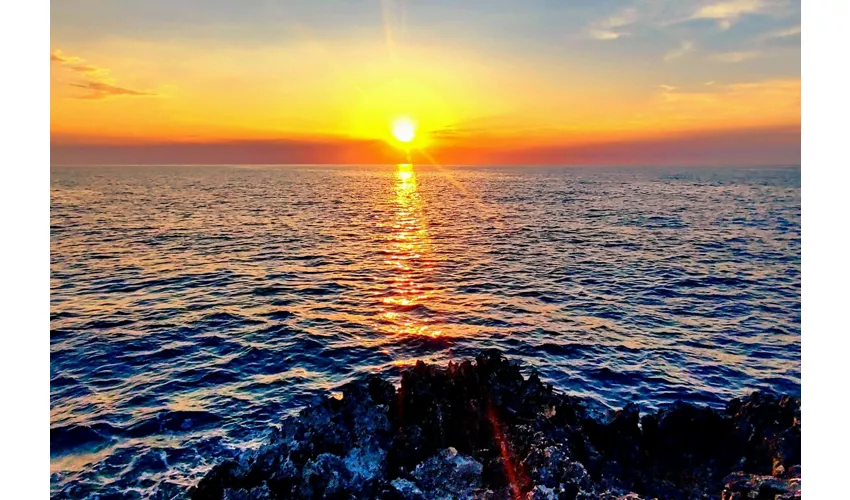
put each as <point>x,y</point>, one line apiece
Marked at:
<point>410,259</point>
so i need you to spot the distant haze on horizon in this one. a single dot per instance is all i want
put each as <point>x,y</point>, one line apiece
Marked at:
<point>486,82</point>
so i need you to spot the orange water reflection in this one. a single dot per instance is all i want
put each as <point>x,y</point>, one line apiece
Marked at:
<point>404,308</point>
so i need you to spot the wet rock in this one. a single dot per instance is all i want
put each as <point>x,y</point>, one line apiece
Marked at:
<point>449,474</point>
<point>325,477</point>
<point>541,492</point>
<point>407,490</point>
<point>740,485</point>
<point>256,493</point>
<point>365,465</point>
<point>770,428</point>
<point>479,429</point>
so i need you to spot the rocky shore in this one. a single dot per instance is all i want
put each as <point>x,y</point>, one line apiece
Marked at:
<point>479,429</point>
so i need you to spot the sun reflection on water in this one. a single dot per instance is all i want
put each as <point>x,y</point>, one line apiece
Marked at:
<point>404,309</point>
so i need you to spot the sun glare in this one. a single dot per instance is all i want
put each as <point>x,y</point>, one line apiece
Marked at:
<point>404,130</point>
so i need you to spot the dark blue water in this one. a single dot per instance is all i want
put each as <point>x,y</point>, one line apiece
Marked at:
<point>192,306</point>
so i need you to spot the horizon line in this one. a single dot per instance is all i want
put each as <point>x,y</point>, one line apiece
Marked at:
<point>561,165</point>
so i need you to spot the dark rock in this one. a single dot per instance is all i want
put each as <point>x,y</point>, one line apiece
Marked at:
<point>407,490</point>
<point>742,485</point>
<point>256,493</point>
<point>325,477</point>
<point>479,429</point>
<point>448,475</point>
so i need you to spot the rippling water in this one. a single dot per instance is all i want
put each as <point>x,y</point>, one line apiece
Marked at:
<point>192,306</point>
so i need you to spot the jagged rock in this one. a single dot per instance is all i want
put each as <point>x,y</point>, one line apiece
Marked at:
<point>256,493</point>
<point>365,464</point>
<point>479,429</point>
<point>448,475</point>
<point>771,428</point>
<point>541,492</point>
<point>407,490</point>
<point>744,486</point>
<point>325,477</point>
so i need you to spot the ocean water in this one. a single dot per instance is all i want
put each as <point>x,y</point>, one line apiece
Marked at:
<point>192,307</point>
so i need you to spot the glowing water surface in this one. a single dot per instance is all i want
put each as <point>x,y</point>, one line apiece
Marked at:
<point>192,306</point>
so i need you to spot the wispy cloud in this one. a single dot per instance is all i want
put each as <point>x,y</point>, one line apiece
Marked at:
<point>60,57</point>
<point>611,28</point>
<point>735,57</point>
<point>685,48</point>
<point>736,100</point>
<point>727,13</point>
<point>772,87</point>
<point>785,33</point>
<point>102,90</point>
<point>85,68</point>
<point>97,79</point>
<point>604,34</point>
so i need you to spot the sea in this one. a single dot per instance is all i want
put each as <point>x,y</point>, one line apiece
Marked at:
<point>194,307</point>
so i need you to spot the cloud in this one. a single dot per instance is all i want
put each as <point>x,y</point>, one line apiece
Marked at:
<point>774,88</point>
<point>755,102</point>
<point>604,35</point>
<point>787,89</point>
<point>667,88</point>
<point>93,73</point>
<point>96,79</point>
<point>102,90</point>
<point>610,28</point>
<point>727,13</point>
<point>727,10</point>
<point>623,18</point>
<point>76,64</point>
<point>60,57</point>
<point>785,33</point>
<point>734,57</point>
<point>498,125</point>
<point>684,48</point>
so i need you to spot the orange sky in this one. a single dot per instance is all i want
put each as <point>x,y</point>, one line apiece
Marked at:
<point>311,88</point>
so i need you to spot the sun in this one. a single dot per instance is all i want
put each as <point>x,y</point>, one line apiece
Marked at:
<point>404,130</point>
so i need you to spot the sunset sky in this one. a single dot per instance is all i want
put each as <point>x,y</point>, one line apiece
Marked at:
<point>486,82</point>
